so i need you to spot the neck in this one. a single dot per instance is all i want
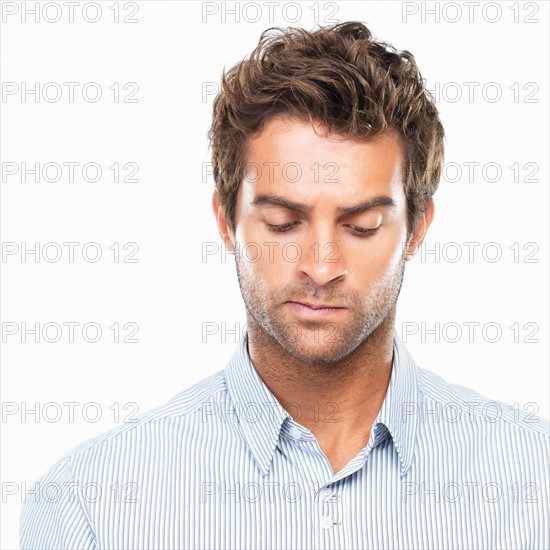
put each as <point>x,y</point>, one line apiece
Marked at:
<point>333,400</point>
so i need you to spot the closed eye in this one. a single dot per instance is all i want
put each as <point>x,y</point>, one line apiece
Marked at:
<point>362,232</point>
<point>281,228</point>
<point>359,231</point>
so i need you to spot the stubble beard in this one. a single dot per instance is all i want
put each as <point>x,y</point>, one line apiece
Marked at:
<point>319,342</point>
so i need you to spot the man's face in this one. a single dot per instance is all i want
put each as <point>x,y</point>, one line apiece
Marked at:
<point>306,237</point>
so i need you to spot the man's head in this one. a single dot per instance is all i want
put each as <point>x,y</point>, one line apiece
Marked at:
<point>306,132</point>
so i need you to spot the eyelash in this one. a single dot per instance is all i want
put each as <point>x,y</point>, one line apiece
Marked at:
<point>281,228</point>
<point>359,231</point>
<point>364,232</point>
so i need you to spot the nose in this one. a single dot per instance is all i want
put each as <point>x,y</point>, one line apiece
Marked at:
<point>322,259</point>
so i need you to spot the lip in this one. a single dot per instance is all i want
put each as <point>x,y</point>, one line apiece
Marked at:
<point>315,309</point>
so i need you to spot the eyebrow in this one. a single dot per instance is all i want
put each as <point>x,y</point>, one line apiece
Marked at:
<point>275,200</point>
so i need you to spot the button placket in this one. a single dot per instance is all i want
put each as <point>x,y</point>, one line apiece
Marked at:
<point>326,522</point>
<point>328,510</point>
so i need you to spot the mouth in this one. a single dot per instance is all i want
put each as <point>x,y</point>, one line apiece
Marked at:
<point>317,306</point>
<point>305,306</point>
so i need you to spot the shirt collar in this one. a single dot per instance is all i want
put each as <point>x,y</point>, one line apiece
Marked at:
<point>399,412</point>
<point>261,416</point>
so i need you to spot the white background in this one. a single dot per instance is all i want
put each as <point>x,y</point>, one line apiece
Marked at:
<point>174,52</point>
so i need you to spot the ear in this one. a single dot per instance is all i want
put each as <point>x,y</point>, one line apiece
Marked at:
<point>419,233</point>
<point>223,228</point>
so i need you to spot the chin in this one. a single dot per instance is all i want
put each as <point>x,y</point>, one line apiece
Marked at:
<point>318,346</point>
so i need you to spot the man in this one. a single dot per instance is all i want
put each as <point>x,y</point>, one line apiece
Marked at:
<point>322,432</point>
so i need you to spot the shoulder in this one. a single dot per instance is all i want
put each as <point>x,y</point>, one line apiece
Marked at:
<point>70,487</point>
<point>158,424</point>
<point>460,405</point>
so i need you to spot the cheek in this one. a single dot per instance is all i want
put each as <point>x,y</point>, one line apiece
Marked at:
<point>381,255</point>
<point>267,254</point>
<point>277,262</point>
<point>261,258</point>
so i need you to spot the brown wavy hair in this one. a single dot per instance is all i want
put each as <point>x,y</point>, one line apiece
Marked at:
<point>341,77</point>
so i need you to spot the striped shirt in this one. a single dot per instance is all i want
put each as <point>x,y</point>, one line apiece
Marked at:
<point>223,465</point>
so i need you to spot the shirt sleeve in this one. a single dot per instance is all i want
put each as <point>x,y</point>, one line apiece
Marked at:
<point>54,515</point>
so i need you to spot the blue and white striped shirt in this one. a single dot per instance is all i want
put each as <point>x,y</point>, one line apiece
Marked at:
<point>223,465</point>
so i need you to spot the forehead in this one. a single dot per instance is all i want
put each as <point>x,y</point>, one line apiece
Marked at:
<point>288,154</point>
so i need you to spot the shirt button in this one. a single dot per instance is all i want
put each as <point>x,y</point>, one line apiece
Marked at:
<point>326,522</point>
<point>295,432</point>
<point>326,492</point>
